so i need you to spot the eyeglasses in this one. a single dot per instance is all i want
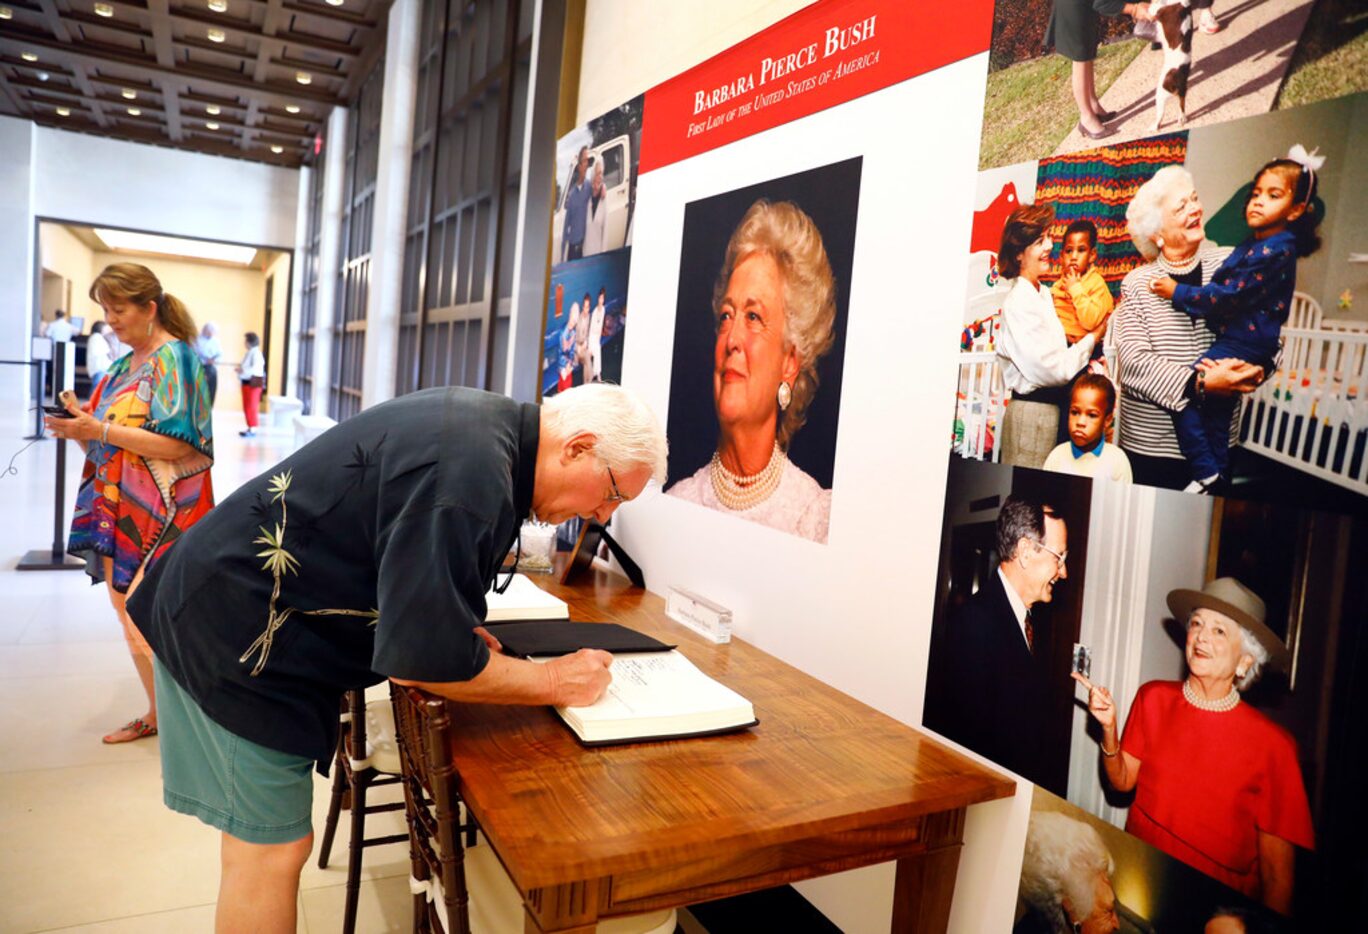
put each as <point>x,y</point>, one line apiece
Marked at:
<point>615,496</point>
<point>1060,557</point>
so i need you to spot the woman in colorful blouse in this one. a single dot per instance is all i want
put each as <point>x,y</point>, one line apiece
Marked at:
<point>149,446</point>
<point>1217,783</point>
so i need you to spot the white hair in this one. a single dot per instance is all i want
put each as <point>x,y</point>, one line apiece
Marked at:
<point>1062,860</point>
<point>627,432</point>
<point>1145,213</point>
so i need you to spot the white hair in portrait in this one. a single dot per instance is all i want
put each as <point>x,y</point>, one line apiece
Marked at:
<point>627,431</point>
<point>1063,859</point>
<point>1145,213</point>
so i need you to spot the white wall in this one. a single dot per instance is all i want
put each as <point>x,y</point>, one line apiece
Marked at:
<point>16,255</point>
<point>95,180</point>
<point>87,179</point>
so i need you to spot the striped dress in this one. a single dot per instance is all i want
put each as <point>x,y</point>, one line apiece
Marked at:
<point>1156,346</point>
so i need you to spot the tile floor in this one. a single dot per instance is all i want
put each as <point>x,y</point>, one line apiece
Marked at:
<point>88,845</point>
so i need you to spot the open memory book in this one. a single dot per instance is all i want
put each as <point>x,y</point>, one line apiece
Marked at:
<point>658,695</point>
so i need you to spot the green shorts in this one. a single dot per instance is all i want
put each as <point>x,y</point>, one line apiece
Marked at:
<point>255,794</point>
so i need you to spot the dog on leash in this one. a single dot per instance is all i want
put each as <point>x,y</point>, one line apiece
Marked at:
<point>1173,25</point>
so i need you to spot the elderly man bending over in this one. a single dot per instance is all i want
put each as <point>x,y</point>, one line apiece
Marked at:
<point>364,555</point>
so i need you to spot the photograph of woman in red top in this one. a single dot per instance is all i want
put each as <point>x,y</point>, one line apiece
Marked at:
<point>1217,783</point>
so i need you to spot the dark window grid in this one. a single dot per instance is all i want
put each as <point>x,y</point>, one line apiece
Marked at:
<point>463,253</point>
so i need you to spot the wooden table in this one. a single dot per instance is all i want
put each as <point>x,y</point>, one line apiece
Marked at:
<point>822,785</point>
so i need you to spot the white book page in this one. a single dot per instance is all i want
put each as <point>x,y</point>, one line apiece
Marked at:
<point>658,684</point>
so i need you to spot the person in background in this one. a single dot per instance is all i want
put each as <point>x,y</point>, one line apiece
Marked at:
<point>208,350</point>
<point>596,225</point>
<point>252,372</point>
<point>593,371</point>
<point>566,360</point>
<point>98,357</point>
<point>149,444</point>
<point>59,328</point>
<point>1066,879</point>
<point>582,339</point>
<point>1217,783</point>
<point>1082,299</point>
<point>1074,32</point>
<point>1092,406</point>
<point>576,209</point>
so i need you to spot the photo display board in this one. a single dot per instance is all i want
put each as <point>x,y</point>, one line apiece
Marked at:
<point>932,416</point>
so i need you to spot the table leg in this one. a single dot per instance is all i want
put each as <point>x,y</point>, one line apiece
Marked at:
<point>925,885</point>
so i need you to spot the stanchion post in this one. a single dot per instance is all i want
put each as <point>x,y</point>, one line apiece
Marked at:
<point>56,559</point>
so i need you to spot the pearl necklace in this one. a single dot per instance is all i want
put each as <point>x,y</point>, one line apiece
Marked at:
<point>1179,269</point>
<point>1214,706</point>
<point>737,491</point>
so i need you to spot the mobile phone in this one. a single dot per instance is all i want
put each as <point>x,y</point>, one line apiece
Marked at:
<point>57,411</point>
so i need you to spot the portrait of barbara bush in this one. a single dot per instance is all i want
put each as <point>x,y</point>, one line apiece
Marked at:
<point>774,310</point>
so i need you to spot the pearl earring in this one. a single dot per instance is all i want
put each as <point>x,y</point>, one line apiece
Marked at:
<point>785,396</point>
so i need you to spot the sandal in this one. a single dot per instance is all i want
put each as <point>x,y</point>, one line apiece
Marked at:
<point>139,727</point>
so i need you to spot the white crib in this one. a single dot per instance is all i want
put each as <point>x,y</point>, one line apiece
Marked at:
<point>1312,413</point>
<point>981,396</point>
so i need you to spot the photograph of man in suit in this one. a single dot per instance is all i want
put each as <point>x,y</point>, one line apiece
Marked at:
<point>987,688</point>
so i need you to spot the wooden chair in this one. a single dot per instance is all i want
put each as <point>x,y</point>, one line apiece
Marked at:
<point>445,873</point>
<point>367,757</point>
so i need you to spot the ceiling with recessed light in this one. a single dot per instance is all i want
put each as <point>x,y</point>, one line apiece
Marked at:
<point>251,79</point>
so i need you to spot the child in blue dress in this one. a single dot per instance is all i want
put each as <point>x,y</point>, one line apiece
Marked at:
<point>1246,303</point>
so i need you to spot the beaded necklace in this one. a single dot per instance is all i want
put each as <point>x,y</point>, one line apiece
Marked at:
<point>1179,269</point>
<point>737,491</point>
<point>1221,705</point>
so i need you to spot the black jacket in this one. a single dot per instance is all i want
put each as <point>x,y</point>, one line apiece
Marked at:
<point>985,689</point>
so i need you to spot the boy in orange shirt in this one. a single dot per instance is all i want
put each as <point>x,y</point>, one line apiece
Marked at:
<point>1082,299</point>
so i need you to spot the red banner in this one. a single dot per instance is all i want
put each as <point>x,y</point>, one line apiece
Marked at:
<point>819,57</point>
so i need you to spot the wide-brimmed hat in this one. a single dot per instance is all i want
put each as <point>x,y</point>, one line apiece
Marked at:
<point>1229,597</point>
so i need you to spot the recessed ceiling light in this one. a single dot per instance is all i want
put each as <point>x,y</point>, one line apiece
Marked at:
<point>335,2</point>
<point>213,110</point>
<point>218,6</point>
<point>28,56</point>
<point>43,76</point>
<point>6,13</point>
<point>64,111</point>
<point>104,9</point>
<point>292,108</point>
<point>134,112</point>
<point>277,149</point>
<point>129,94</point>
<point>303,77</point>
<point>217,35</point>
<point>211,125</point>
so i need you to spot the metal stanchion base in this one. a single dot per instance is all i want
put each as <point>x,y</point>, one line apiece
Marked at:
<point>43,559</point>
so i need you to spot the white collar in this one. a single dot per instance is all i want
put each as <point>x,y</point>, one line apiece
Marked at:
<point>1018,605</point>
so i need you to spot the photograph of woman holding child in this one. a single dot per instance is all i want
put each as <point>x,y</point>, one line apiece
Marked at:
<point>1038,361</point>
<point>1217,783</point>
<point>1156,344</point>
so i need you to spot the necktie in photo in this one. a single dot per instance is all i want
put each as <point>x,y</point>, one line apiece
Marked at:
<point>1030,632</point>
